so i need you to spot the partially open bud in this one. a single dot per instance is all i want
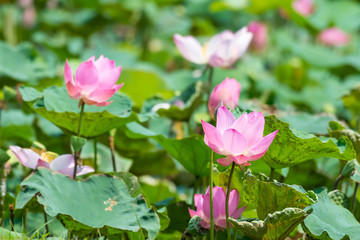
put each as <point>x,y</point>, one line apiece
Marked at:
<point>334,37</point>
<point>226,93</point>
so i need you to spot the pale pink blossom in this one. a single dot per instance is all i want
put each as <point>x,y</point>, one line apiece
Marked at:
<point>95,81</point>
<point>333,37</point>
<point>29,16</point>
<point>304,7</point>
<point>202,203</point>
<point>63,164</point>
<point>260,35</point>
<point>223,50</point>
<point>240,140</point>
<point>226,93</point>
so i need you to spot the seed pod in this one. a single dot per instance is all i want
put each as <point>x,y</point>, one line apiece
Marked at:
<point>339,198</point>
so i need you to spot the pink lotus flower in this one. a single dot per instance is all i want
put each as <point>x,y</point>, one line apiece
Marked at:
<point>304,7</point>
<point>202,203</point>
<point>223,50</point>
<point>240,140</point>
<point>95,81</point>
<point>260,33</point>
<point>226,93</point>
<point>63,164</point>
<point>333,37</point>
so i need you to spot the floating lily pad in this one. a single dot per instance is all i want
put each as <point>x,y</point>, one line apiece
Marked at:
<point>101,203</point>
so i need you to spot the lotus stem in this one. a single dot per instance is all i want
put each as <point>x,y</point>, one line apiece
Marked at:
<point>235,234</point>
<point>82,105</point>
<point>211,197</point>
<point>3,194</point>
<point>25,218</point>
<point>272,172</point>
<point>11,209</point>
<point>112,147</point>
<point>354,198</point>
<point>211,72</point>
<point>95,155</point>
<point>46,223</point>
<point>338,179</point>
<point>227,201</point>
<point>77,153</point>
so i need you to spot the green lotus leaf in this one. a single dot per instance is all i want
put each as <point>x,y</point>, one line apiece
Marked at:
<point>276,226</point>
<point>264,195</point>
<point>55,105</point>
<point>192,98</point>
<point>100,204</point>
<point>14,58</point>
<point>337,130</point>
<point>17,125</point>
<point>190,151</point>
<point>352,100</point>
<point>291,147</point>
<point>330,221</point>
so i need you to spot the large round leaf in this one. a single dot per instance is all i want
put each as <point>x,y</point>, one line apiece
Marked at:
<point>352,100</point>
<point>191,151</point>
<point>150,81</point>
<point>100,203</point>
<point>330,221</point>
<point>17,65</point>
<point>316,55</point>
<point>55,105</point>
<point>266,196</point>
<point>275,226</point>
<point>291,147</point>
<point>16,125</point>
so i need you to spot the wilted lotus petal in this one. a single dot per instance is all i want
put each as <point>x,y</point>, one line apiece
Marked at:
<point>27,157</point>
<point>95,81</point>
<point>240,140</point>
<point>63,164</point>
<point>202,203</point>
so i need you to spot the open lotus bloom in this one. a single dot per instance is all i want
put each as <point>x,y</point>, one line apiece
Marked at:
<point>304,7</point>
<point>260,35</point>
<point>202,203</point>
<point>240,140</point>
<point>95,81</point>
<point>63,164</point>
<point>333,37</point>
<point>226,93</point>
<point>223,50</point>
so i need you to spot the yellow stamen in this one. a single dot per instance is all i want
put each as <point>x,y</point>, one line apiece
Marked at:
<point>48,156</point>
